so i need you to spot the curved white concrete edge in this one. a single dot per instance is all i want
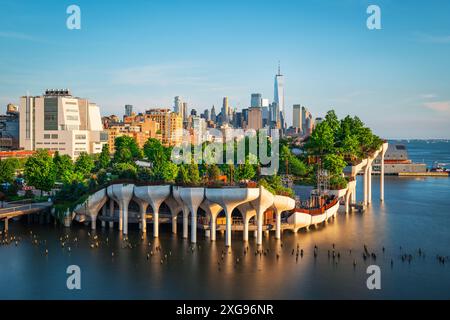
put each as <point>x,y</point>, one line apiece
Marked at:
<point>155,196</point>
<point>261,204</point>
<point>229,199</point>
<point>193,198</point>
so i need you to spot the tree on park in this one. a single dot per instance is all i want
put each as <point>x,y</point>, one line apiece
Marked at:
<point>40,171</point>
<point>183,175</point>
<point>127,150</point>
<point>155,152</point>
<point>194,173</point>
<point>334,163</point>
<point>64,168</point>
<point>125,170</point>
<point>333,121</point>
<point>165,172</point>
<point>8,169</point>
<point>103,159</point>
<point>84,164</point>
<point>321,140</point>
<point>213,173</point>
<point>245,171</point>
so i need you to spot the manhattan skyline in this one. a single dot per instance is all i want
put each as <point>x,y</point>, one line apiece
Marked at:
<point>144,54</point>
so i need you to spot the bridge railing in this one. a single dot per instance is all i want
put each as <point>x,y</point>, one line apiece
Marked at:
<point>23,207</point>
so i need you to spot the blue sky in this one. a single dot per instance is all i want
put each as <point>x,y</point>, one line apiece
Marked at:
<point>397,80</point>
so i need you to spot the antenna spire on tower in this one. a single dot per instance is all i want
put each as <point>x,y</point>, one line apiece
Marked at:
<point>279,68</point>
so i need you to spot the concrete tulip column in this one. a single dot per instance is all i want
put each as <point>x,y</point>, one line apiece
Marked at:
<point>229,199</point>
<point>261,204</point>
<point>213,210</point>
<point>93,204</point>
<point>383,152</point>
<point>143,205</point>
<point>104,214</point>
<point>174,208</point>
<point>247,212</point>
<point>110,193</point>
<point>366,183</point>
<point>193,198</point>
<point>177,197</point>
<point>123,193</point>
<point>281,204</point>
<point>155,196</point>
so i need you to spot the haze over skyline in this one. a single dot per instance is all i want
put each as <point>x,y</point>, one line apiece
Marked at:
<point>145,53</point>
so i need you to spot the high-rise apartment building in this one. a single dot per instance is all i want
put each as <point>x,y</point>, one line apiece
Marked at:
<point>279,97</point>
<point>256,100</point>
<point>138,127</point>
<point>297,120</point>
<point>225,110</point>
<point>128,110</point>
<point>254,118</point>
<point>170,125</point>
<point>9,129</point>
<point>57,121</point>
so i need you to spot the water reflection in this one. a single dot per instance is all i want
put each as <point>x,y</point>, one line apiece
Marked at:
<point>415,215</point>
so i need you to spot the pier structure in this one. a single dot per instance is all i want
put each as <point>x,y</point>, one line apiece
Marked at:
<point>155,196</point>
<point>212,209</point>
<point>263,202</point>
<point>247,211</point>
<point>229,199</point>
<point>281,204</point>
<point>193,198</point>
<point>364,168</point>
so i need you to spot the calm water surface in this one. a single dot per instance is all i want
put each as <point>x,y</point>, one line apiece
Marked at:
<point>416,214</point>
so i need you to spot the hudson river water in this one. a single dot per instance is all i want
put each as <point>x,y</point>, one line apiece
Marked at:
<point>415,214</point>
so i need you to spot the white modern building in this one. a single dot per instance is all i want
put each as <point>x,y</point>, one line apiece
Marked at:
<point>57,121</point>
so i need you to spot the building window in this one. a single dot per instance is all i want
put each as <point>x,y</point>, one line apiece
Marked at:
<point>72,118</point>
<point>51,114</point>
<point>80,137</point>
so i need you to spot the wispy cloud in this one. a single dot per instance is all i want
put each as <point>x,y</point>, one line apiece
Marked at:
<point>428,96</point>
<point>440,106</point>
<point>160,75</point>
<point>18,36</point>
<point>430,38</point>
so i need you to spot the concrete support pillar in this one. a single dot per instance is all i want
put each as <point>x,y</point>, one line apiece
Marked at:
<point>369,185</point>
<point>382,176</point>
<point>155,196</point>
<point>104,213</point>
<point>281,204</point>
<point>259,227</point>
<point>185,222</point>
<point>213,210</point>
<point>278,225</point>
<point>156,223</point>
<point>228,228</point>
<point>93,222</point>
<point>120,217</point>
<point>125,219</point>
<point>229,199</point>
<point>212,232</point>
<point>246,222</point>
<point>6,225</point>
<point>143,213</point>
<point>174,224</point>
<point>111,213</point>
<point>194,226</point>
<point>366,183</point>
<point>347,200</point>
